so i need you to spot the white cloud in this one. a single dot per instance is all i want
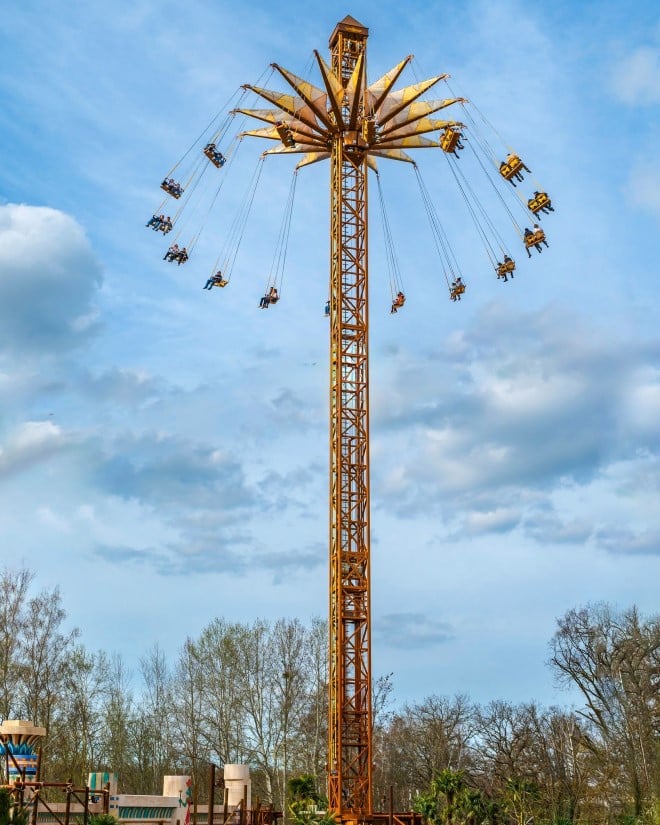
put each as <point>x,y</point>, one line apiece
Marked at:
<point>29,444</point>
<point>48,280</point>
<point>623,541</point>
<point>499,520</point>
<point>525,420</point>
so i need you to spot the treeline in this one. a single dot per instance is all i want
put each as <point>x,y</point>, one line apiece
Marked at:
<point>256,693</point>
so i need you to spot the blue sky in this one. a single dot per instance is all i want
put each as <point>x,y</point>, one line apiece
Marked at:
<point>163,450</point>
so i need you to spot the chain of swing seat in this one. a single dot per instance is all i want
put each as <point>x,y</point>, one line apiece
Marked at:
<point>445,252</point>
<point>464,188</point>
<point>196,174</point>
<point>241,94</point>
<point>278,265</point>
<point>394,273</point>
<point>487,149</point>
<point>237,229</point>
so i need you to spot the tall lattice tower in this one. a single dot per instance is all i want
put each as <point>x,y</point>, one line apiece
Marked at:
<point>349,714</point>
<point>350,123</point>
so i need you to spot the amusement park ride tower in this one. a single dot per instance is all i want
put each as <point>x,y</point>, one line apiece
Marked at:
<point>350,123</point>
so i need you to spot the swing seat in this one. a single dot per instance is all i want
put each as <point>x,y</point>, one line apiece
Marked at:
<point>535,238</point>
<point>507,266</point>
<point>285,134</point>
<point>449,140</point>
<point>216,158</point>
<point>220,282</point>
<point>369,130</point>
<point>511,167</point>
<point>175,193</point>
<point>537,203</point>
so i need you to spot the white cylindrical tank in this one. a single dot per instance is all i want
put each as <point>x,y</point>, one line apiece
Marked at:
<point>236,778</point>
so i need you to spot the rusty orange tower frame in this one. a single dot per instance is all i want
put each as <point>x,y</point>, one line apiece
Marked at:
<point>351,124</point>
<point>349,690</point>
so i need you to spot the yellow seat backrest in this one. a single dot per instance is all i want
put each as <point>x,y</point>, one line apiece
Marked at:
<point>449,140</point>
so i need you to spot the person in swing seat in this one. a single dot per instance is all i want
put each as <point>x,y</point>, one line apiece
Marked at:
<point>172,253</point>
<point>398,302</point>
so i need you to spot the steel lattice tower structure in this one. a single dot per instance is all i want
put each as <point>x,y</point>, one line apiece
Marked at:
<point>351,124</point>
<point>349,694</point>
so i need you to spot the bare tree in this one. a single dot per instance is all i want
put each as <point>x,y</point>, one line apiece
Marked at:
<point>151,731</point>
<point>420,742</point>
<point>614,660</point>
<point>218,649</point>
<point>505,740</point>
<point>187,715</point>
<point>14,588</point>
<point>312,734</point>
<point>76,728</point>
<point>562,763</point>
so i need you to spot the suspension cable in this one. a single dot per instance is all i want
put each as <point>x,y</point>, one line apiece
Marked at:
<point>474,205</point>
<point>442,245</point>
<point>231,154</point>
<point>481,137</point>
<point>241,92</point>
<point>485,120</point>
<point>223,178</point>
<point>237,229</point>
<point>393,271</point>
<point>488,150</point>
<point>278,264</point>
<point>490,252</point>
<point>497,191</point>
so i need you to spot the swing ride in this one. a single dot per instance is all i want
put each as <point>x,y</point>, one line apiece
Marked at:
<point>385,124</point>
<point>354,124</point>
